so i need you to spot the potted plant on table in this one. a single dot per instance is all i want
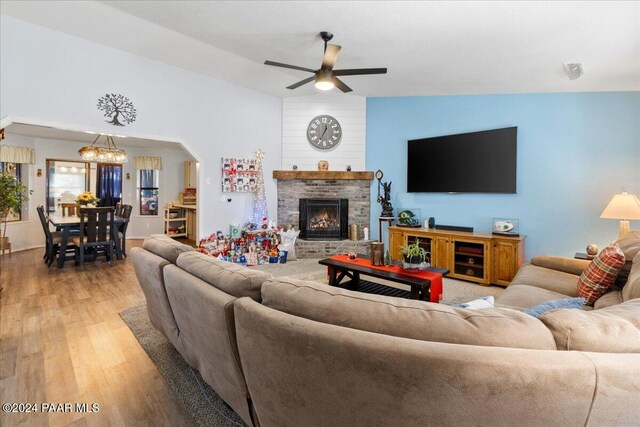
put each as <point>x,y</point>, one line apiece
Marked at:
<point>414,253</point>
<point>12,195</point>
<point>87,200</point>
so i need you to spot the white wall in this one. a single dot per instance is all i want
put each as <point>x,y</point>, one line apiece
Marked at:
<point>349,110</point>
<point>49,77</point>
<point>28,232</point>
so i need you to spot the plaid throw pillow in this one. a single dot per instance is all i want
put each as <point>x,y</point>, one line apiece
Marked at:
<point>601,274</point>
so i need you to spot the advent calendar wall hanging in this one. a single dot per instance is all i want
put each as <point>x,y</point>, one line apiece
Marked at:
<point>238,175</point>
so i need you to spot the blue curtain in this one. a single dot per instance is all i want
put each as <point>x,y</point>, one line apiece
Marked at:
<point>109,184</point>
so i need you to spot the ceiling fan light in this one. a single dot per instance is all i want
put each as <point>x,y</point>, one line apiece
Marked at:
<point>324,80</point>
<point>324,85</point>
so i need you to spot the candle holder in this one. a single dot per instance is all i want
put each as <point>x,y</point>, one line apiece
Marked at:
<point>377,253</point>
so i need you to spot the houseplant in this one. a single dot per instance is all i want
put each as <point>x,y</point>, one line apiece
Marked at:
<point>414,253</point>
<point>12,195</point>
<point>87,199</point>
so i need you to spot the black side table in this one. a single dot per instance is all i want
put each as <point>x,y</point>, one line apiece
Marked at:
<point>582,255</point>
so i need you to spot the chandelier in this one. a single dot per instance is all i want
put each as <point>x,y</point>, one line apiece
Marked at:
<point>108,153</point>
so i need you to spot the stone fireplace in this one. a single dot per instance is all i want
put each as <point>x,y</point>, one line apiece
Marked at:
<point>324,219</point>
<point>354,188</point>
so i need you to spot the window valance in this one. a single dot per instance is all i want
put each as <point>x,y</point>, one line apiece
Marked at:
<point>148,163</point>
<point>9,153</point>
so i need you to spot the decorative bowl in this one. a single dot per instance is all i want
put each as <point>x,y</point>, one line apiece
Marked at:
<point>413,268</point>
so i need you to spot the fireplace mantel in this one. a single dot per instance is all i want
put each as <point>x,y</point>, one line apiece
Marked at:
<point>324,175</point>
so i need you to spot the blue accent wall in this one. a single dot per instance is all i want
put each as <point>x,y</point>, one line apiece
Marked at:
<point>575,151</point>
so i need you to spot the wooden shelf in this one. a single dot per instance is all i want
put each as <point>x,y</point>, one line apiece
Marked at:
<point>467,264</point>
<point>182,218</point>
<point>324,175</point>
<point>469,254</point>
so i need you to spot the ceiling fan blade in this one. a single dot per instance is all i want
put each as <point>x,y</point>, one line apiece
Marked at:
<point>301,82</point>
<point>340,85</point>
<point>359,71</point>
<point>330,56</point>
<point>293,67</point>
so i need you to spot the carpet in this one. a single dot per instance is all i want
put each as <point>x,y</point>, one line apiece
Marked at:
<point>201,402</point>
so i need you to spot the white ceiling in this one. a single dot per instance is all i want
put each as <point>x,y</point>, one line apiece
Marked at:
<point>430,48</point>
<point>47,132</point>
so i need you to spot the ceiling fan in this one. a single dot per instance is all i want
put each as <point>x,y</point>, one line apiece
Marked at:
<point>326,78</point>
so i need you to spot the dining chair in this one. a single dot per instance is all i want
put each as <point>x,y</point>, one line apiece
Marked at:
<point>69,209</point>
<point>53,239</point>
<point>119,207</point>
<point>125,213</point>
<point>96,226</point>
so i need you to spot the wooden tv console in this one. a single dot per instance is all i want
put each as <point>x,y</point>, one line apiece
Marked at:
<point>481,258</point>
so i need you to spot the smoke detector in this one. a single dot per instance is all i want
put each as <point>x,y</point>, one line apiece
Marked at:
<point>573,70</point>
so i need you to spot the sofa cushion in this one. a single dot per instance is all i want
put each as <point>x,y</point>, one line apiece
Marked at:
<point>629,244</point>
<point>523,297</point>
<point>545,278</point>
<point>623,274</point>
<point>231,278</point>
<point>556,304</point>
<point>600,275</point>
<point>613,329</point>
<point>165,247</point>
<point>566,265</point>
<point>631,289</point>
<point>608,299</point>
<point>405,318</point>
<point>149,269</point>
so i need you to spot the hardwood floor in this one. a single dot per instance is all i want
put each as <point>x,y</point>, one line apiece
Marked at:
<point>62,341</point>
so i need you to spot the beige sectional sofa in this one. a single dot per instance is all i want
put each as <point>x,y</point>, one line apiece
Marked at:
<point>286,352</point>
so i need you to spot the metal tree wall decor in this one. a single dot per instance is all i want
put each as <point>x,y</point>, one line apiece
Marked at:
<point>118,108</point>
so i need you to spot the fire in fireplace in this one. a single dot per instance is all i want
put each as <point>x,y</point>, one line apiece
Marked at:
<point>324,219</point>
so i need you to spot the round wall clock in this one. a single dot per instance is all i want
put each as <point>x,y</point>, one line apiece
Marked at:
<point>324,132</point>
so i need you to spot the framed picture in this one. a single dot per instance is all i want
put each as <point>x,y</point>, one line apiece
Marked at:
<point>238,175</point>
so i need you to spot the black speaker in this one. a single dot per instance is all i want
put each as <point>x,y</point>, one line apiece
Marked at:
<point>454,228</point>
<point>432,222</point>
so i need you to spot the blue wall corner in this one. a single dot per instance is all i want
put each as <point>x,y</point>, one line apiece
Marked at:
<point>575,151</point>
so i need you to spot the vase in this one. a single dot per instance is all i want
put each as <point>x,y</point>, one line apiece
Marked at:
<point>413,259</point>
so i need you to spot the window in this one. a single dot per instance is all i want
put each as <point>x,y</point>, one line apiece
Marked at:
<point>14,169</point>
<point>66,179</point>
<point>148,190</point>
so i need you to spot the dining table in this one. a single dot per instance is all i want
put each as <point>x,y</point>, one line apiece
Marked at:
<point>67,223</point>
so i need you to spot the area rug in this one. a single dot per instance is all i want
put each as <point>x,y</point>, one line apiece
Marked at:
<point>201,402</point>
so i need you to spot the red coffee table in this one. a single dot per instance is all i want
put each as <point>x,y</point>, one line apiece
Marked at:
<point>425,285</point>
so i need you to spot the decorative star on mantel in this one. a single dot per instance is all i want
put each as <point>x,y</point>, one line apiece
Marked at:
<point>260,154</point>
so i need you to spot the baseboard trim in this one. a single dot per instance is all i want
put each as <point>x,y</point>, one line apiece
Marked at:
<point>28,248</point>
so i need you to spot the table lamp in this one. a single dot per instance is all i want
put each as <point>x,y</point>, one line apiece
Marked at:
<point>624,207</point>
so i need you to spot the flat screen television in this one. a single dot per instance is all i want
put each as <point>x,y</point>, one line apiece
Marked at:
<point>476,162</point>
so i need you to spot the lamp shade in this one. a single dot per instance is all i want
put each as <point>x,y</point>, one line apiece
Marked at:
<point>622,206</point>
